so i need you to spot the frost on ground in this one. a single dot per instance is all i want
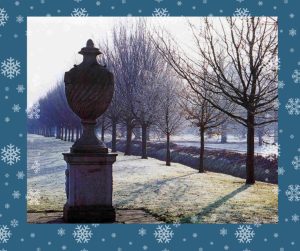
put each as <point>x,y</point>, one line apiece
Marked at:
<point>174,194</point>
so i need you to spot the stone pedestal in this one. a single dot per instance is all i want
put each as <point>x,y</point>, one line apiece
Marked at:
<point>89,187</point>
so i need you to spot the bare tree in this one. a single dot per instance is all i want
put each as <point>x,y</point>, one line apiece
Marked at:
<point>241,54</point>
<point>202,114</point>
<point>170,116</point>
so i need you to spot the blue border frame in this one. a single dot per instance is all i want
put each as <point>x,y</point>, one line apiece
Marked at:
<point>278,237</point>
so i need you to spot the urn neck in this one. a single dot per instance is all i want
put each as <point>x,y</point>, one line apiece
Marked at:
<point>89,53</point>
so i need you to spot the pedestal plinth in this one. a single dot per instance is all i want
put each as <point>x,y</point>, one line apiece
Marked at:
<point>89,187</point>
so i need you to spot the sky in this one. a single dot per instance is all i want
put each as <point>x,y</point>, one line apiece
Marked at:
<point>53,44</point>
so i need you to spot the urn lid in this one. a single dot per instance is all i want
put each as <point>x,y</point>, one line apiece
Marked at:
<point>89,49</point>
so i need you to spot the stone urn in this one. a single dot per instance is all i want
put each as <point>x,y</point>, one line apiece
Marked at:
<point>89,182</point>
<point>89,89</point>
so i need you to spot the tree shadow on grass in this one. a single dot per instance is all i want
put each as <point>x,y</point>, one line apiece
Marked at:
<point>211,207</point>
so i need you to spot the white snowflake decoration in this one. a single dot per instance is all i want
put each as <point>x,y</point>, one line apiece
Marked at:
<point>10,154</point>
<point>142,231</point>
<point>281,84</point>
<point>176,223</point>
<point>160,12</point>
<point>296,162</point>
<point>281,171</point>
<point>293,193</point>
<point>244,234</point>
<point>20,88</point>
<point>241,12</point>
<point>35,166</point>
<point>10,68</point>
<point>223,231</point>
<point>33,197</point>
<point>295,218</point>
<point>79,12</point>
<point>5,234</point>
<point>61,231</point>
<point>16,108</point>
<point>82,234</point>
<point>34,111</point>
<point>292,32</point>
<point>163,234</point>
<point>20,175</point>
<point>19,19</point>
<point>296,76</point>
<point>16,194</point>
<point>3,17</point>
<point>293,106</point>
<point>14,223</point>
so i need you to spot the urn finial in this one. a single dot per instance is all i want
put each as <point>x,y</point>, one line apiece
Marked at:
<point>89,51</point>
<point>90,43</point>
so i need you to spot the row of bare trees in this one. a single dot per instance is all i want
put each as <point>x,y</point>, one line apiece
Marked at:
<point>229,76</point>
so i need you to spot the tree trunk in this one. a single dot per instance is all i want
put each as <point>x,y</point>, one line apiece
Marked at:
<point>250,149</point>
<point>144,141</point>
<point>260,139</point>
<point>65,134</point>
<point>72,137</point>
<point>114,136</point>
<point>77,133</point>
<point>57,132</point>
<point>201,158</point>
<point>168,157</point>
<point>128,140</point>
<point>69,134</point>
<point>223,134</point>
<point>102,132</point>
<point>61,133</point>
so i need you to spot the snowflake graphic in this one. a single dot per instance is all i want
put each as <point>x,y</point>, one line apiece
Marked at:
<point>295,218</point>
<point>20,88</point>
<point>16,194</point>
<point>33,197</point>
<point>163,234</point>
<point>10,154</point>
<point>20,175</point>
<point>241,12</point>
<point>34,111</point>
<point>296,76</point>
<point>142,231</point>
<point>10,68</point>
<point>160,12</point>
<point>176,223</point>
<point>5,234</point>
<point>281,171</point>
<point>79,12</point>
<point>19,19</point>
<point>293,106</point>
<point>296,162</point>
<point>14,223</point>
<point>244,234</point>
<point>223,231</point>
<point>35,166</point>
<point>292,32</point>
<point>82,234</point>
<point>281,84</point>
<point>61,231</point>
<point>293,193</point>
<point>3,17</point>
<point>16,108</point>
